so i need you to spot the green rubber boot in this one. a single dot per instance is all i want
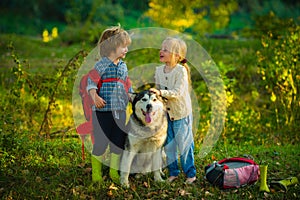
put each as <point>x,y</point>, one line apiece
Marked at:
<point>114,167</point>
<point>97,168</point>
<point>263,178</point>
<point>283,184</point>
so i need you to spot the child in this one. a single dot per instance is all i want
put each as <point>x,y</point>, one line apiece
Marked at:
<point>109,114</point>
<point>173,82</point>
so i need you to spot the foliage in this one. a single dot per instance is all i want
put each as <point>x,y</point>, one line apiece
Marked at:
<point>85,33</point>
<point>283,9</point>
<point>87,26</point>
<point>77,20</point>
<point>238,70</point>
<point>41,92</point>
<point>101,11</point>
<point>61,82</point>
<point>199,16</point>
<point>270,23</point>
<point>279,69</point>
<point>255,17</point>
<point>47,9</point>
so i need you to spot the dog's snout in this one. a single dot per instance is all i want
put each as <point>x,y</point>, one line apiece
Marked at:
<point>149,107</point>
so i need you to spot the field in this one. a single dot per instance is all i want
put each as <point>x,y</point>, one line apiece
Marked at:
<point>40,151</point>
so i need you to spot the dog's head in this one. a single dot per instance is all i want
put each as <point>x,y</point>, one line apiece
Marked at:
<point>148,107</point>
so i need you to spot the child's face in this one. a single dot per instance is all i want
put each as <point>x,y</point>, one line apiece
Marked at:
<point>121,51</point>
<point>165,55</point>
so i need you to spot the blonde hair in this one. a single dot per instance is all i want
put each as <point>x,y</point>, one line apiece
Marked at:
<point>111,39</point>
<point>178,47</point>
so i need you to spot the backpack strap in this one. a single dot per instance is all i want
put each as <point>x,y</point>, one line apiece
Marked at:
<point>94,75</point>
<point>126,83</point>
<point>238,159</point>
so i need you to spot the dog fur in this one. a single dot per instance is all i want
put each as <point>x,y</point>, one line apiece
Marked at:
<point>146,135</point>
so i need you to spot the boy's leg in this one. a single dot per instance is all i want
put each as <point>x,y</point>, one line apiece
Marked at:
<point>100,127</point>
<point>117,142</point>
<point>99,146</point>
<point>114,167</point>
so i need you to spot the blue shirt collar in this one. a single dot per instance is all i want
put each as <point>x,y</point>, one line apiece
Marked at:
<point>107,61</point>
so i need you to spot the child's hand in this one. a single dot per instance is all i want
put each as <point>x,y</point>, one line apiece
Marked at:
<point>99,102</point>
<point>156,91</point>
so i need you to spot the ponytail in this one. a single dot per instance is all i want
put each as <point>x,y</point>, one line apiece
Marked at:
<point>185,65</point>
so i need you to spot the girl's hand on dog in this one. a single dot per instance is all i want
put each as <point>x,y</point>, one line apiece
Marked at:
<point>155,91</point>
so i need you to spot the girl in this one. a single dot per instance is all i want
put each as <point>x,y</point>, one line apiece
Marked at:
<point>110,100</point>
<point>173,82</point>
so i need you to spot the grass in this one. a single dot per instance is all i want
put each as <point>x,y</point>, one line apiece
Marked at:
<point>53,169</point>
<point>42,168</point>
<point>31,49</point>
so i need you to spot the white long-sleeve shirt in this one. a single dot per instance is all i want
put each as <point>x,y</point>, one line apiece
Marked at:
<point>175,87</point>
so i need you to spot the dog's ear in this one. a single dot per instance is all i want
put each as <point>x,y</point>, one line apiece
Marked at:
<point>132,96</point>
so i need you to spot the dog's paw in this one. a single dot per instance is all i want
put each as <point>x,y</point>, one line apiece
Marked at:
<point>124,183</point>
<point>158,179</point>
<point>138,176</point>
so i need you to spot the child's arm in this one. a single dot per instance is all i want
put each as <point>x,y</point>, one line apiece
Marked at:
<point>99,102</point>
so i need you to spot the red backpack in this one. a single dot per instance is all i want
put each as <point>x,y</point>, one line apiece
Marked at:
<point>87,102</point>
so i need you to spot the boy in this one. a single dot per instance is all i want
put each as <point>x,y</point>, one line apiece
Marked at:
<point>109,111</point>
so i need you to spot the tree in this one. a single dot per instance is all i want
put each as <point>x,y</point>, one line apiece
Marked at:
<point>198,15</point>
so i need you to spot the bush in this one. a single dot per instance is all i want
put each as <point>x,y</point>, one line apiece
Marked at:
<point>279,69</point>
<point>81,34</point>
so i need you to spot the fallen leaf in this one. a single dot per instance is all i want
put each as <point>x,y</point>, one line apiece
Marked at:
<point>88,170</point>
<point>81,165</point>
<point>109,193</point>
<point>151,194</point>
<point>38,179</point>
<point>213,157</point>
<point>63,186</point>
<point>182,192</point>
<point>295,195</point>
<point>133,186</point>
<point>112,187</point>
<point>25,172</point>
<point>266,194</point>
<point>207,193</point>
<point>146,184</point>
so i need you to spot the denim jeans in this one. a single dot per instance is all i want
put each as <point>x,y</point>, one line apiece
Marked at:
<point>180,138</point>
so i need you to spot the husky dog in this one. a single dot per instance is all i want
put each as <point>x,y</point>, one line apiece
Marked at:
<point>146,135</point>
